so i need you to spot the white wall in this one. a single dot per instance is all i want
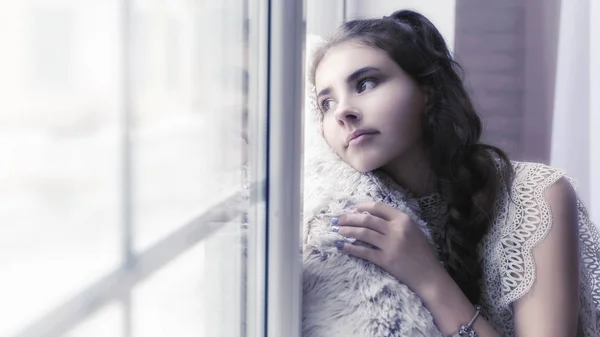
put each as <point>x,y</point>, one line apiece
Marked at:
<point>324,17</point>
<point>594,203</point>
<point>440,12</point>
<point>571,119</point>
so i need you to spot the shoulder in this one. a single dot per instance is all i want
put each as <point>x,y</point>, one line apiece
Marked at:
<point>523,170</point>
<point>532,186</point>
<point>552,252</point>
<point>536,185</point>
<point>547,192</point>
<point>539,181</point>
<point>537,193</point>
<point>561,196</point>
<point>528,209</point>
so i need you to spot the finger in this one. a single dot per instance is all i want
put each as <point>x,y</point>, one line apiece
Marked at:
<point>378,209</point>
<point>363,220</point>
<point>364,234</point>
<point>362,252</point>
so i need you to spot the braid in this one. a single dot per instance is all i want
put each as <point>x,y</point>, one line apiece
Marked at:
<point>470,184</point>
<point>466,171</point>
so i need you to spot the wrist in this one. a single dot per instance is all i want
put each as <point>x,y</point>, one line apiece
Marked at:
<point>447,303</point>
<point>449,306</point>
<point>434,285</point>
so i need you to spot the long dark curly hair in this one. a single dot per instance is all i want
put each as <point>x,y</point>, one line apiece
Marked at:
<point>468,173</point>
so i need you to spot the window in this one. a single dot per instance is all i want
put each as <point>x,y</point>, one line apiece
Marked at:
<point>134,198</point>
<point>50,39</point>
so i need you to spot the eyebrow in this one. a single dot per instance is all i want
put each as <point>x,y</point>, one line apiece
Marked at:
<point>351,78</point>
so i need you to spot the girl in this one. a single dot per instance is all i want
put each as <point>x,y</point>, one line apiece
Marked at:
<point>413,227</point>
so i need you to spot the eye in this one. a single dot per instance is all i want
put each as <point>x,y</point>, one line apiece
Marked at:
<point>326,104</point>
<point>366,84</point>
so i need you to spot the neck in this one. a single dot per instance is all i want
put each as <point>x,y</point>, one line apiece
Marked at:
<point>413,172</point>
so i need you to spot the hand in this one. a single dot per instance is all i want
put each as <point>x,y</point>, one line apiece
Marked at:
<point>401,247</point>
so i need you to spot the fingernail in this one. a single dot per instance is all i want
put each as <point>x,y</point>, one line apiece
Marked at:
<point>335,220</point>
<point>339,244</point>
<point>335,228</point>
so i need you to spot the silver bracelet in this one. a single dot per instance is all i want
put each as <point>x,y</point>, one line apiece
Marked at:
<point>466,330</point>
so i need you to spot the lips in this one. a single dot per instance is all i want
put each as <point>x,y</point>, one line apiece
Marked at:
<point>357,133</point>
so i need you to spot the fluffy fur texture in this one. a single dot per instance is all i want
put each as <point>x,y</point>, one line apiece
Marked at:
<point>343,295</point>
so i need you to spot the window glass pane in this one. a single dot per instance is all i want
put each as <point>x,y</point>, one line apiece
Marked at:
<point>118,151</point>
<point>107,322</point>
<point>187,113</point>
<point>59,145</point>
<point>189,147</point>
<point>168,303</point>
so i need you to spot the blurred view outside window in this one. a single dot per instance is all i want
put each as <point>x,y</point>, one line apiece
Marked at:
<point>120,123</point>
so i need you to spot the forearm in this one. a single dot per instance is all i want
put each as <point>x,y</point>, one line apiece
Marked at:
<point>450,307</point>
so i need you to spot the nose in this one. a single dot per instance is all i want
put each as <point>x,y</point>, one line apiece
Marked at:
<point>347,114</point>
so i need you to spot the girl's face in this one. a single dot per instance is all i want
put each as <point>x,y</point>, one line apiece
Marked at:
<point>371,108</point>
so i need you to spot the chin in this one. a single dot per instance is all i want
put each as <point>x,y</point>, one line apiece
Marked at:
<point>364,162</point>
<point>363,166</point>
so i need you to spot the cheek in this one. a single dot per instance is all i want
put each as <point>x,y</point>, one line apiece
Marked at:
<point>329,133</point>
<point>408,117</point>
